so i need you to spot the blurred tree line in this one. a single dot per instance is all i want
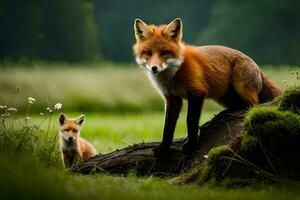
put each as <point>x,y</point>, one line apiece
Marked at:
<point>48,29</point>
<point>75,30</point>
<point>267,30</point>
<point>116,18</point>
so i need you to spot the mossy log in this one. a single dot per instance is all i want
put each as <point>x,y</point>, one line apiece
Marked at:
<point>224,128</point>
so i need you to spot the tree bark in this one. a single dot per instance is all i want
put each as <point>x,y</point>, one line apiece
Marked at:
<point>224,128</point>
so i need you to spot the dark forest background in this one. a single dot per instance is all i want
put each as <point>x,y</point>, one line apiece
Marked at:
<point>95,30</point>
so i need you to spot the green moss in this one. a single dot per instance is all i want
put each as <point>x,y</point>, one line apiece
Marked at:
<point>271,140</point>
<point>216,165</point>
<point>291,100</point>
<point>271,121</point>
<point>249,143</point>
<point>277,100</point>
<point>269,148</point>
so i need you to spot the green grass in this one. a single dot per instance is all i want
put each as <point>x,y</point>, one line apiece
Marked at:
<point>121,109</point>
<point>80,89</point>
<point>27,179</point>
<point>98,89</point>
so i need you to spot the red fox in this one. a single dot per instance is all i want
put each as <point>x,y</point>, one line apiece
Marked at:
<point>73,147</point>
<point>180,71</point>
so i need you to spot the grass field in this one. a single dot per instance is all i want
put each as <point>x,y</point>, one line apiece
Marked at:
<point>23,175</point>
<point>121,108</point>
<point>86,89</point>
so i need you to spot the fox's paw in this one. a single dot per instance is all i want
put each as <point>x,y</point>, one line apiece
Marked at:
<point>162,151</point>
<point>189,147</point>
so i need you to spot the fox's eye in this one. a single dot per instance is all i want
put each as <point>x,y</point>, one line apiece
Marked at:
<point>165,53</point>
<point>66,129</point>
<point>147,52</point>
<point>74,130</point>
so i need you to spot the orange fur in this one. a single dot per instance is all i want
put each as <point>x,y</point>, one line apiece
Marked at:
<point>179,71</point>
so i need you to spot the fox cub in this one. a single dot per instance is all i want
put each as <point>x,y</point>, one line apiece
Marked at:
<point>73,147</point>
<point>181,71</point>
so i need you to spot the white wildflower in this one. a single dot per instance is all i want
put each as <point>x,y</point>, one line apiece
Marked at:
<point>31,102</point>
<point>31,99</point>
<point>12,109</point>
<point>28,118</point>
<point>5,115</point>
<point>205,156</point>
<point>41,113</point>
<point>58,106</point>
<point>3,107</point>
<point>49,109</point>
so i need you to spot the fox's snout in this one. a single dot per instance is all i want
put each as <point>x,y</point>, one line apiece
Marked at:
<point>152,63</point>
<point>69,136</point>
<point>155,63</point>
<point>154,69</point>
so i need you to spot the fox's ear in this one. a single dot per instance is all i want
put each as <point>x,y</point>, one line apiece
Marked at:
<point>80,120</point>
<point>174,29</point>
<point>62,119</point>
<point>141,29</point>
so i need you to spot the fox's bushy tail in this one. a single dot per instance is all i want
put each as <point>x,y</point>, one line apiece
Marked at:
<point>269,90</point>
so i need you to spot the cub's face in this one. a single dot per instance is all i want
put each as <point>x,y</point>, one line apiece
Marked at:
<point>69,129</point>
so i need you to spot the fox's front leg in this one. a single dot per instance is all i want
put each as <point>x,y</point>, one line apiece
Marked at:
<point>193,116</point>
<point>66,162</point>
<point>173,106</point>
<point>68,157</point>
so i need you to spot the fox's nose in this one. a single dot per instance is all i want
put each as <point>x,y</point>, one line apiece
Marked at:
<point>154,69</point>
<point>70,139</point>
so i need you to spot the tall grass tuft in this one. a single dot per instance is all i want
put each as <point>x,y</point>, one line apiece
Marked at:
<point>20,137</point>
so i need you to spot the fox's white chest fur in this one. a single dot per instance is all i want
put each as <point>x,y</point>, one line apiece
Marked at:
<point>164,82</point>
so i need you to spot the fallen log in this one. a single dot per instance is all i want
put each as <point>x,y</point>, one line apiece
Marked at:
<point>139,158</point>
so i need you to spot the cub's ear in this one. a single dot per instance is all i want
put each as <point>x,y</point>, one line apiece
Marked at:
<point>80,120</point>
<point>62,119</point>
<point>141,29</point>
<point>174,29</point>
